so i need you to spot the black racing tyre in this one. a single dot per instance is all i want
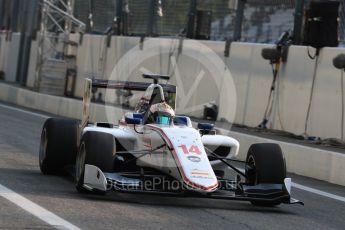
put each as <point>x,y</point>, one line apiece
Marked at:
<point>58,147</point>
<point>265,164</point>
<point>96,149</point>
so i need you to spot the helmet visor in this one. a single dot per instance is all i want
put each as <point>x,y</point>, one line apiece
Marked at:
<point>162,120</point>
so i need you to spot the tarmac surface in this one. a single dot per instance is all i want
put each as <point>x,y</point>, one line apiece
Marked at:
<point>25,193</point>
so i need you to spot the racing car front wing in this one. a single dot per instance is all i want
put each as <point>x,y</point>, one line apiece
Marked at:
<point>96,180</point>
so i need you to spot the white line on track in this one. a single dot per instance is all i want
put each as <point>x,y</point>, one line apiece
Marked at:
<point>318,192</point>
<point>36,210</point>
<point>24,111</point>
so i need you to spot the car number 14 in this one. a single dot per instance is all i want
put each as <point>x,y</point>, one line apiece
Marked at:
<point>193,149</point>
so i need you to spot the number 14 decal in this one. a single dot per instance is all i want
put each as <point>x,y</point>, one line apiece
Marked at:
<point>193,149</point>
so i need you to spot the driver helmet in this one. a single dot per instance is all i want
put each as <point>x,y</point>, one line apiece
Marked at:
<point>161,113</point>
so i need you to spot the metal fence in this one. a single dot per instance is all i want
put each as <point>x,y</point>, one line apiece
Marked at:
<point>14,13</point>
<point>263,20</point>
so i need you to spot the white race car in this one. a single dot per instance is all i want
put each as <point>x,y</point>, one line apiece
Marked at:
<point>152,150</point>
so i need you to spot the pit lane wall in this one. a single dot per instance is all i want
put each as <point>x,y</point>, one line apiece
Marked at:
<point>311,162</point>
<point>252,77</point>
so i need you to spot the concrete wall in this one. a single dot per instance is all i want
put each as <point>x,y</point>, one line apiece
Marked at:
<point>306,161</point>
<point>9,50</point>
<point>252,78</point>
<point>32,65</point>
<point>251,75</point>
<point>94,59</point>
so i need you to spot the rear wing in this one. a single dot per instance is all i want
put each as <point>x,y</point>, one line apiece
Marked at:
<point>128,85</point>
<point>109,84</point>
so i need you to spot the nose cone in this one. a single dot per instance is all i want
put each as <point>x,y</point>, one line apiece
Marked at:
<point>191,159</point>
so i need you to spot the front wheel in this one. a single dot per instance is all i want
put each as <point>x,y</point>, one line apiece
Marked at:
<point>96,149</point>
<point>265,164</point>
<point>58,146</point>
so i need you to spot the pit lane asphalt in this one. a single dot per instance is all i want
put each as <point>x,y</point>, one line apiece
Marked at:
<point>19,171</point>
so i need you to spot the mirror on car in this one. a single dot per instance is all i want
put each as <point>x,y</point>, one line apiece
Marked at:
<point>133,121</point>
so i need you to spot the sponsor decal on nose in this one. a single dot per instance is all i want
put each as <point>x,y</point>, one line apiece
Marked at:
<point>194,159</point>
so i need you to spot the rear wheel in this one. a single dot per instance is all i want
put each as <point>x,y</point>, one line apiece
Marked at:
<point>265,164</point>
<point>58,145</point>
<point>96,149</point>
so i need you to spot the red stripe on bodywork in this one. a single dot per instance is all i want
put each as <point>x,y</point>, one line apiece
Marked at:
<point>179,166</point>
